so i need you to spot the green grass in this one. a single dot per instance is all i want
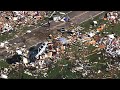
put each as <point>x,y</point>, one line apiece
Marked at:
<point>91,48</point>
<point>60,72</point>
<point>25,76</point>
<point>115,29</point>
<point>87,24</point>
<point>19,75</point>
<point>7,36</point>
<point>13,75</point>
<point>4,64</point>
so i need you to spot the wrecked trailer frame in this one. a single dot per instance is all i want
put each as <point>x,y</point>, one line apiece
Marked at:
<point>36,51</point>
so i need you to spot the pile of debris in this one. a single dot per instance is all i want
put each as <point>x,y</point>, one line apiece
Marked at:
<point>4,73</point>
<point>112,17</point>
<point>62,19</point>
<point>113,46</point>
<point>9,20</point>
<point>45,53</point>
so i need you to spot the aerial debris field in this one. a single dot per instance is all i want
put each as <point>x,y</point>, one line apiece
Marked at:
<point>60,44</point>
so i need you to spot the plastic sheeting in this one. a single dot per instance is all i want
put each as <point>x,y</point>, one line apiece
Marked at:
<point>63,40</point>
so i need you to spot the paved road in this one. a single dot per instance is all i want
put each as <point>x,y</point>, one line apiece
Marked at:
<point>41,33</point>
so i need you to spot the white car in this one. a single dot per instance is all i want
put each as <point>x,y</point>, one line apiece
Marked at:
<point>42,49</point>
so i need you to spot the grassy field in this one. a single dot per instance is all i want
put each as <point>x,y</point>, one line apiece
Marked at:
<point>3,64</point>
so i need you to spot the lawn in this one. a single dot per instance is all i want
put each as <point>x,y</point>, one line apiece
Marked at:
<point>3,64</point>
<point>62,72</point>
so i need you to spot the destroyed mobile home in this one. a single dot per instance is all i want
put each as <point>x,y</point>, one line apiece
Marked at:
<point>39,57</point>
